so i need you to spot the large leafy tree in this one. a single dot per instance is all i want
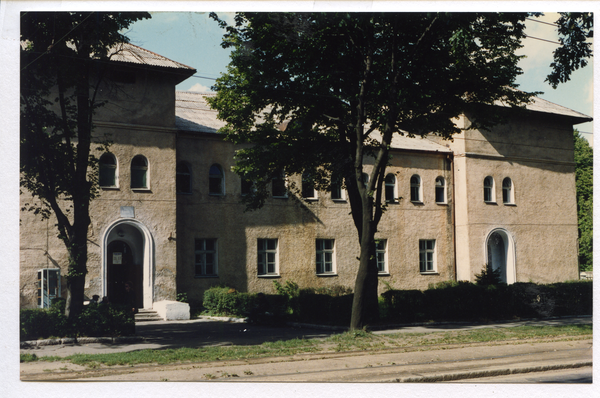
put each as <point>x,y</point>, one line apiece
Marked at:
<point>343,84</point>
<point>584,176</point>
<point>64,56</point>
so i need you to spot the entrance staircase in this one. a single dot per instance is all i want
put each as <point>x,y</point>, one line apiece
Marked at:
<point>144,315</point>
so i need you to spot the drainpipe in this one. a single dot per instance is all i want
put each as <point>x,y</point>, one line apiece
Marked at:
<point>453,210</point>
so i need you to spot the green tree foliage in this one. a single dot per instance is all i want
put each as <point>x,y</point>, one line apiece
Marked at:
<point>574,29</point>
<point>319,94</point>
<point>584,175</point>
<point>63,58</point>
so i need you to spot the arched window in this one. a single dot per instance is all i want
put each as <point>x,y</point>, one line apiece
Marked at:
<point>183,181</point>
<point>488,190</point>
<point>308,187</point>
<point>415,189</point>
<point>215,180</point>
<point>390,188</point>
<point>139,172</point>
<point>507,191</point>
<point>440,190</point>
<point>108,171</point>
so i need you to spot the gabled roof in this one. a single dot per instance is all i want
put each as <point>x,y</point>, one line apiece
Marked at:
<point>130,53</point>
<point>193,114</point>
<point>543,106</point>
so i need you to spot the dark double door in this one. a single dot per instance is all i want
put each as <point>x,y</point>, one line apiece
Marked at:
<point>122,270</point>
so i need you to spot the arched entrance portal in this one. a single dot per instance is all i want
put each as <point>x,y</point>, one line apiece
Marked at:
<point>127,257</point>
<point>500,251</point>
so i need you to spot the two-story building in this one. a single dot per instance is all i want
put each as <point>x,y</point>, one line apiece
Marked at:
<point>169,218</point>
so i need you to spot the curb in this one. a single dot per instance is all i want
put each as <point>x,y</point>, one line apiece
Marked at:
<point>489,373</point>
<point>81,340</point>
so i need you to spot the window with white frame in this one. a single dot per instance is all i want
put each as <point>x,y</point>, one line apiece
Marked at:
<point>427,256</point>
<point>507,191</point>
<point>139,172</point>
<point>279,186</point>
<point>48,286</point>
<point>440,190</point>
<point>488,190</point>
<point>381,254</point>
<point>107,177</point>
<point>416,194</point>
<point>183,178</point>
<point>268,257</point>
<point>206,257</point>
<point>390,188</point>
<point>216,185</point>
<point>325,256</point>
<point>308,187</point>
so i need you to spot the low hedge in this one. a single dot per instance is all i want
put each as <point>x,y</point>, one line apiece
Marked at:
<point>466,301</point>
<point>94,321</point>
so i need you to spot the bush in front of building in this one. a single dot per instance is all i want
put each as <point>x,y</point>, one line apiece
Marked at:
<point>466,301</point>
<point>94,321</point>
<point>223,300</point>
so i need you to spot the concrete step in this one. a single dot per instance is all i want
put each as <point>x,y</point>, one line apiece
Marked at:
<point>147,316</point>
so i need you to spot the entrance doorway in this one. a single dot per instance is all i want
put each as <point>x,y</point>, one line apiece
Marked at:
<point>501,255</point>
<point>121,270</point>
<point>128,250</point>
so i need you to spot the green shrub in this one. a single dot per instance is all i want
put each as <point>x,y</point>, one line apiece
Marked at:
<point>489,276</point>
<point>465,301</point>
<point>227,301</point>
<point>404,305</point>
<point>94,320</point>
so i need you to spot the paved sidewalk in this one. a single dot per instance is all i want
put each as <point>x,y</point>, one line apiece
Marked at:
<point>212,332</point>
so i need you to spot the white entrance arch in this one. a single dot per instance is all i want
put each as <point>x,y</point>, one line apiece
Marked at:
<point>138,237</point>
<point>500,254</point>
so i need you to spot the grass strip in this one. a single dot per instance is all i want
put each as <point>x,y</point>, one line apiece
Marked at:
<point>348,341</point>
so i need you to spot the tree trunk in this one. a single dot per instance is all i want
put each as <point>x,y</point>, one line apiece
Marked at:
<point>365,308</point>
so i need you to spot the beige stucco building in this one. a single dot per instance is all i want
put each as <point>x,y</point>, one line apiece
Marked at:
<point>169,218</point>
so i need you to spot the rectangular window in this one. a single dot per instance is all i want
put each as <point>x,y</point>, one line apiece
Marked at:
<point>206,257</point>
<point>48,286</point>
<point>325,256</point>
<point>267,257</point>
<point>381,253</point>
<point>427,255</point>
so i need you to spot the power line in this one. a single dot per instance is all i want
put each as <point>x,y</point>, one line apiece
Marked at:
<point>545,23</point>
<point>546,40</point>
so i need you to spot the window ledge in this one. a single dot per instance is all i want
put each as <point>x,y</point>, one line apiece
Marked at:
<point>383,274</point>
<point>328,274</point>
<point>311,199</point>
<point>510,204</point>
<point>429,273</point>
<point>442,203</point>
<point>490,203</point>
<point>269,276</point>
<point>416,202</point>
<point>142,190</point>
<point>205,276</point>
<point>110,188</point>
<point>340,200</point>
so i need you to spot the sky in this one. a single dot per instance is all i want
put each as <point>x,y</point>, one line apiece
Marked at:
<point>193,39</point>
